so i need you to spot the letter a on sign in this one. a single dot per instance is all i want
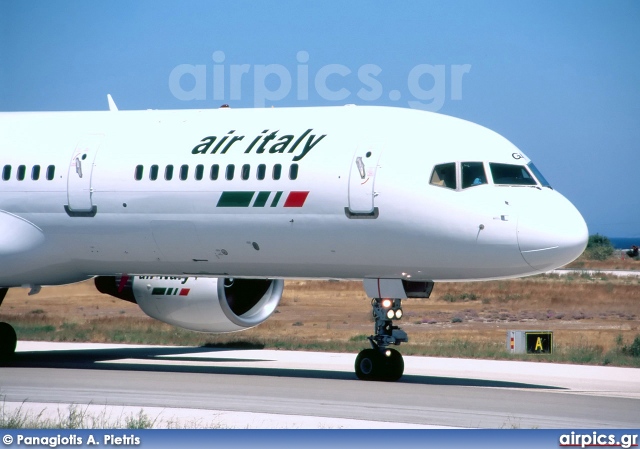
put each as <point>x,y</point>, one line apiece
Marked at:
<point>539,345</point>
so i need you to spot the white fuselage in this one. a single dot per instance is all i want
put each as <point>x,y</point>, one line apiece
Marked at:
<point>361,206</point>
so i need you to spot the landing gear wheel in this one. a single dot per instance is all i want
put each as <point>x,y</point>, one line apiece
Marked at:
<point>8,340</point>
<point>371,364</point>
<point>366,363</point>
<point>391,365</point>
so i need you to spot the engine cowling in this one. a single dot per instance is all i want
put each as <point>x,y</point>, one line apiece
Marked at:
<point>199,303</point>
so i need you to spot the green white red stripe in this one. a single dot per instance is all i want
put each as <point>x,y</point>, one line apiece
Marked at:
<point>162,291</point>
<point>262,199</point>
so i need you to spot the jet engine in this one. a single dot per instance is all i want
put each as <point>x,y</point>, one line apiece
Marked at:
<point>198,303</point>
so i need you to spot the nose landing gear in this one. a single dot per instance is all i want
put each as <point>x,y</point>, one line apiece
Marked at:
<point>381,362</point>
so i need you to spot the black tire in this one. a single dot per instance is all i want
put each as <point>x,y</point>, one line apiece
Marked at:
<point>8,341</point>
<point>392,366</point>
<point>367,364</point>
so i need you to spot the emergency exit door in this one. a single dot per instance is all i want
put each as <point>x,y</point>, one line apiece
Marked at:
<point>79,188</point>
<point>362,179</point>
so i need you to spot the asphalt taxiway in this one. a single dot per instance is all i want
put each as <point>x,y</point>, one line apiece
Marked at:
<point>250,388</point>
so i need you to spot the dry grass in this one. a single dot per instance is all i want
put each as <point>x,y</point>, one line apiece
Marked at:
<point>619,261</point>
<point>588,313</point>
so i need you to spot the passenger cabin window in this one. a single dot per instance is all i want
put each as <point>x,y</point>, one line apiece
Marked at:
<point>199,172</point>
<point>444,175</point>
<point>153,172</point>
<point>510,174</point>
<point>293,172</point>
<point>168,173</point>
<point>184,172</point>
<point>215,171</point>
<point>138,172</point>
<point>246,169</point>
<point>230,171</point>
<point>262,170</point>
<point>21,172</point>
<point>473,174</point>
<point>277,171</point>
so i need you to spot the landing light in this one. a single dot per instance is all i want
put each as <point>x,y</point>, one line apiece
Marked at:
<point>390,314</point>
<point>386,303</point>
<point>398,314</point>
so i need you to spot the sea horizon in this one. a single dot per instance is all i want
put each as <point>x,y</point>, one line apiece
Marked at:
<point>624,242</point>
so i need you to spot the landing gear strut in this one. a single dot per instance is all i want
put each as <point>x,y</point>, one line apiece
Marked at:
<point>8,338</point>
<point>381,362</point>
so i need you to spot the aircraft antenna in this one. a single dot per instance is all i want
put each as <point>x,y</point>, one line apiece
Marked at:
<point>112,104</point>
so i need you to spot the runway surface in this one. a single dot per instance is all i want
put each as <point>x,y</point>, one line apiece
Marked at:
<point>253,388</point>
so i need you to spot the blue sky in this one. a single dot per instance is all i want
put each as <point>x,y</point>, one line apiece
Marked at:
<point>560,80</point>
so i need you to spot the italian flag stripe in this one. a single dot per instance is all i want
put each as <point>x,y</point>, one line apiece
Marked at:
<point>244,199</point>
<point>261,200</point>
<point>296,199</point>
<point>235,199</point>
<point>274,203</point>
<point>163,291</point>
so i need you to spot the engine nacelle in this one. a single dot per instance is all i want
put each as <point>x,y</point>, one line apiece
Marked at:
<point>199,303</point>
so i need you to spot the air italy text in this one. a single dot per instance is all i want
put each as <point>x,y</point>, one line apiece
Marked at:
<point>267,141</point>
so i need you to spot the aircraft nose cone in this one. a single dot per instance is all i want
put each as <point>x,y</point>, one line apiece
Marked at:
<point>551,232</point>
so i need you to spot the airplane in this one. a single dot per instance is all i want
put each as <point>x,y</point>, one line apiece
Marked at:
<point>199,216</point>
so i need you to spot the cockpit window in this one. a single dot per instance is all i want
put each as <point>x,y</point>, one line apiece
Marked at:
<point>444,175</point>
<point>538,175</point>
<point>517,175</point>
<point>473,174</point>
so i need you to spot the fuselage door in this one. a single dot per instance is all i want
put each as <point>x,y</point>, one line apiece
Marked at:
<point>362,179</point>
<point>80,173</point>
